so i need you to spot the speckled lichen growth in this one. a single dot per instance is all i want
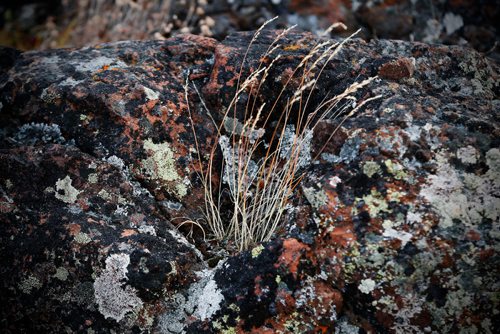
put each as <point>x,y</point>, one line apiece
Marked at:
<point>114,298</point>
<point>65,190</point>
<point>160,167</point>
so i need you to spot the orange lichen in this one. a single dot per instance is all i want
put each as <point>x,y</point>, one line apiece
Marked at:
<point>291,254</point>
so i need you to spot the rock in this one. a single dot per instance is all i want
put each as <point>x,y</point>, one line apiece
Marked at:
<point>109,99</point>
<point>392,229</point>
<point>52,24</point>
<point>83,245</point>
<point>398,69</point>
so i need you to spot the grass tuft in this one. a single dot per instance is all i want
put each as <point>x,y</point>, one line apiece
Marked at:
<point>247,204</point>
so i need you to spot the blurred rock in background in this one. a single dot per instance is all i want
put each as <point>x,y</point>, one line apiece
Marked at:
<point>32,24</point>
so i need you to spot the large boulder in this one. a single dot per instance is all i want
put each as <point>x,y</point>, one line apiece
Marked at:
<point>394,227</point>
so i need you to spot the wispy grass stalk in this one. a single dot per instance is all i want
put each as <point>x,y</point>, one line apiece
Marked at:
<point>248,203</point>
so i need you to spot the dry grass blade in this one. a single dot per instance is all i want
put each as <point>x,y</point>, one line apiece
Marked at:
<point>248,204</point>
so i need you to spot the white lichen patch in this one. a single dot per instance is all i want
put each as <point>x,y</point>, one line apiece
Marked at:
<point>392,140</point>
<point>113,297</point>
<point>342,326</point>
<point>209,300</point>
<point>151,94</point>
<point>454,194</point>
<point>182,240</point>
<point>395,234</point>
<point>116,161</point>
<point>468,155</point>
<point>296,146</point>
<point>65,190</point>
<point>160,167</point>
<point>234,126</point>
<point>147,229</point>
<point>452,22</point>
<point>202,301</point>
<point>334,181</point>
<point>104,195</point>
<point>70,82</point>
<point>366,285</point>
<point>99,63</point>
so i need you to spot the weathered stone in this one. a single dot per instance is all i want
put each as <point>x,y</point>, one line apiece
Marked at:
<point>393,228</point>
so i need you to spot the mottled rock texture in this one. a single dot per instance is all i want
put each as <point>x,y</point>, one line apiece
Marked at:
<point>394,227</point>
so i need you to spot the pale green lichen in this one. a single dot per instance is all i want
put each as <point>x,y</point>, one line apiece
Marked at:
<point>484,80</point>
<point>222,327</point>
<point>371,168</point>
<point>61,274</point>
<point>160,167</point>
<point>104,195</point>
<point>257,250</point>
<point>29,283</point>
<point>93,178</point>
<point>65,190</point>
<point>82,238</point>
<point>317,198</point>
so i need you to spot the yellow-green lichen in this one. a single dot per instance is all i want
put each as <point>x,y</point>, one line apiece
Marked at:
<point>394,196</point>
<point>376,203</point>
<point>160,167</point>
<point>234,307</point>
<point>395,169</point>
<point>230,330</point>
<point>257,250</point>
<point>222,327</point>
<point>371,168</point>
<point>294,324</point>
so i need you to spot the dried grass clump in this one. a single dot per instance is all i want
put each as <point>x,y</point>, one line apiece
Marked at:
<point>258,186</point>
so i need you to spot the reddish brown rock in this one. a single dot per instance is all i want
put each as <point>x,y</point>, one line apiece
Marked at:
<point>397,69</point>
<point>392,228</point>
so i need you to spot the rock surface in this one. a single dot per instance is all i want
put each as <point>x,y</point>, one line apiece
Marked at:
<point>35,24</point>
<point>394,227</point>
